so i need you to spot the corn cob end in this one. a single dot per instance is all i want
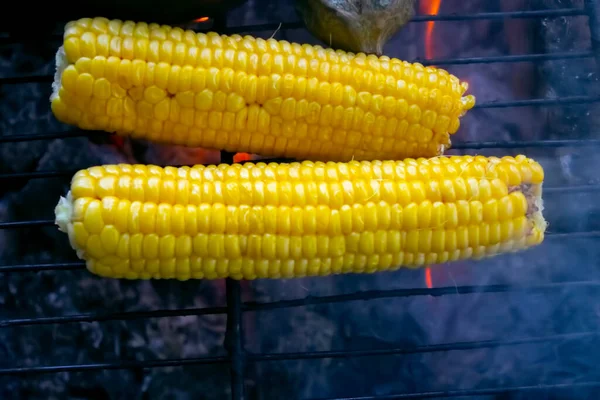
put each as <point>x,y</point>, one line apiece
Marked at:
<point>535,208</point>
<point>64,220</point>
<point>59,108</point>
<point>63,212</point>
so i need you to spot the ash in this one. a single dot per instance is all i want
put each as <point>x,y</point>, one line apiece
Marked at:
<point>374,324</point>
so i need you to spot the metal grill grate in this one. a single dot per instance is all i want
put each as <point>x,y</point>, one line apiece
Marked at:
<point>238,357</point>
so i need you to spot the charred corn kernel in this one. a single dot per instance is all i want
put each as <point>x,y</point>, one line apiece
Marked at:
<point>289,220</point>
<point>374,107</point>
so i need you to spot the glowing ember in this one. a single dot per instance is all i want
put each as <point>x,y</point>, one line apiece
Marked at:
<point>241,157</point>
<point>117,140</point>
<point>201,19</point>
<point>430,7</point>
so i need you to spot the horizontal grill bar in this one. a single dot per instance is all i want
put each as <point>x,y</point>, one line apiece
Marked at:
<point>177,362</point>
<point>508,59</point>
<point>569,100</point>
<point>572,189</point>
<point>455,146</point>
<point>555,13</point>
<point>476,392</point>
<point>434,348</point>
<point>439,291</point>
<point>559,12</point>
<point>47,136</point>
<point>14,80</point>
<point>307,301</point>
<point>26,224</point>
<point>116,316</point>
<point>300,356</point>
<point>573,235</point>
<point>43,267</point>
<point>523,144</point>
<point>37,175</point>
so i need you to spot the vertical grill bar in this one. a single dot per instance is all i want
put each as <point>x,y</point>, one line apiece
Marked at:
<point>592,8</point>
<point>234,338</point>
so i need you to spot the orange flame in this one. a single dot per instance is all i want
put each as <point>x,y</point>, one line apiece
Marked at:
<point>201,19</point>
<point>428,279</point>
<point>430,7</point>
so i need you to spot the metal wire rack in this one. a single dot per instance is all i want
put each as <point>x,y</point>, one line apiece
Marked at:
<point>238,357</point>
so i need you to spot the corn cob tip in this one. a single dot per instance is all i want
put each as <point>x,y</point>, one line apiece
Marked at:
<point>536,205</point>
<point>61,65</point>
<point>63,212</point>
<point>59,109</point>
<point>64,220</point>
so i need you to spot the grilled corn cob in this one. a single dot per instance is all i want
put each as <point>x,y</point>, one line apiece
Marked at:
<point>245,94</point>
<point>300,219</point>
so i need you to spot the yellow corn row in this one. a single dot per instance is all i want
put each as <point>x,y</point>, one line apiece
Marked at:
<point>246,94</point>
<point>300,219</point>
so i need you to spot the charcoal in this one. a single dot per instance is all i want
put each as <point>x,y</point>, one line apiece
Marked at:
<point>567,78</point>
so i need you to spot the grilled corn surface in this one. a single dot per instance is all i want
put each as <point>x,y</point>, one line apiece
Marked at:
<point>245,94</point>
<point>300,219</point>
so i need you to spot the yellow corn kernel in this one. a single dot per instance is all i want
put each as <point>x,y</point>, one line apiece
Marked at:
<point>290,220</point>
<point>378,107</point>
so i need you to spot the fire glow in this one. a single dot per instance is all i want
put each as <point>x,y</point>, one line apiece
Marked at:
<point>430,7</point>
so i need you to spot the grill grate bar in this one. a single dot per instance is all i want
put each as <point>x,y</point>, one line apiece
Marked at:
<point>572,189</point>
<point>523,144</point>
<point>476,392</point>
<point>559,101</point>
<point>37,175</point>
<point>559,12</point>
<point>438,291</point>
<point>27,224</point>
<point>555,13</point>
<point>456,145</point>
<point>472,145</point>
<point>234,338</point>
<point>48,136</point>
<point>301,356</point>
<point>509,59</point>
<point>176,362</point>
<point>116,316</point>
<point>43,267</point>
<point>309,301</point>
<point>434,348</point>
<point>15,80</point>
<point>593,12</point>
